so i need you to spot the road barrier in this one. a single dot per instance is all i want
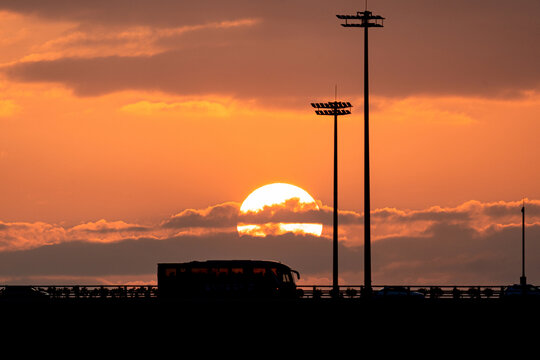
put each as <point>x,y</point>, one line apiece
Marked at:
<point>305,291</point>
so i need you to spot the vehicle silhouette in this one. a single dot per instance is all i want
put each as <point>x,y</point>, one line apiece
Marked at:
<point>398,292</point>
<point>521,290</point>
<point>227,278</point>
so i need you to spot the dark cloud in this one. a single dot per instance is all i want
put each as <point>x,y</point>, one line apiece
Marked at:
<point>132,257</point>
<point>453,253</point>
<point>483,48</point>
<point>503,209</point>
<point>228,215</point>
<point>447,254</point>
<point>431,214</point>
<point>217,216</point>
<point>165,13</point>
<point>108,227</point>
<point>473,243</point>
<point>111,230</point>
<point>238,71</point>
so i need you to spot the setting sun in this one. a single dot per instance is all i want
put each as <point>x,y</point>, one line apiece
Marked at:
<point>274,200</point>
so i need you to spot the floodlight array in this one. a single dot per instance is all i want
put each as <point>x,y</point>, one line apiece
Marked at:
<point>332,112</point>
<point>332,105</point>
<point>365,17</point>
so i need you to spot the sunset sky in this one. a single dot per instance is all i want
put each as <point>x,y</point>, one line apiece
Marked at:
<point>131,131</point>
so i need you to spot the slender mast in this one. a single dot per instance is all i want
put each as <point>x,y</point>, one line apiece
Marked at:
<point>523,279</point>
<point>366,19</point>
<point>335,108</point>
<point>335,224</point>
<point>367,202</point>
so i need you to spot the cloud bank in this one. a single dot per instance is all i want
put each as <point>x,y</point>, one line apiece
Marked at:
<point>473,243</point>
<point>251,49</point>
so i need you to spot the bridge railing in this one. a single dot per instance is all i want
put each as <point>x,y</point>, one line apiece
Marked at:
<point>91,291</point>
<point>308,291</point>
<point>429,292</point>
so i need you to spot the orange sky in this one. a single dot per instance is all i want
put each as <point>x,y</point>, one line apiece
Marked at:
<point>116,116</point>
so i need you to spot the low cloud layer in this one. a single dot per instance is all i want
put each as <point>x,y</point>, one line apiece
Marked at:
<point>474,243</point>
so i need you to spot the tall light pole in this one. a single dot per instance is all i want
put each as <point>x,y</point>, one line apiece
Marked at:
<point>367,20</point>
<point>335,108</point>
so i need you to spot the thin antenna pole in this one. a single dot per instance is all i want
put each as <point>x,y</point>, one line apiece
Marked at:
<point>523,279</point>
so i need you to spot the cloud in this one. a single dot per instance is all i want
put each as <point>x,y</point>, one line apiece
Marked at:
<point>219,216</point>
<point>472,213</point>
<point>120,47</point>
<point>158,13</point>
<point>228,215</point>
<point>106,231</point>
<point>134,257</point>
<point>100,41</point>
<point>482,218</point>
<point>20,236</point>
<point>473,243</point>
<point>227,71</point>
<point>452,255</point>
<point>290,211</point>
<point>102,226</point>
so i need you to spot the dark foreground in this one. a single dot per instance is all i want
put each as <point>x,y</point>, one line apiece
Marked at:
<point>265,326</point>
<point>302,313</point>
